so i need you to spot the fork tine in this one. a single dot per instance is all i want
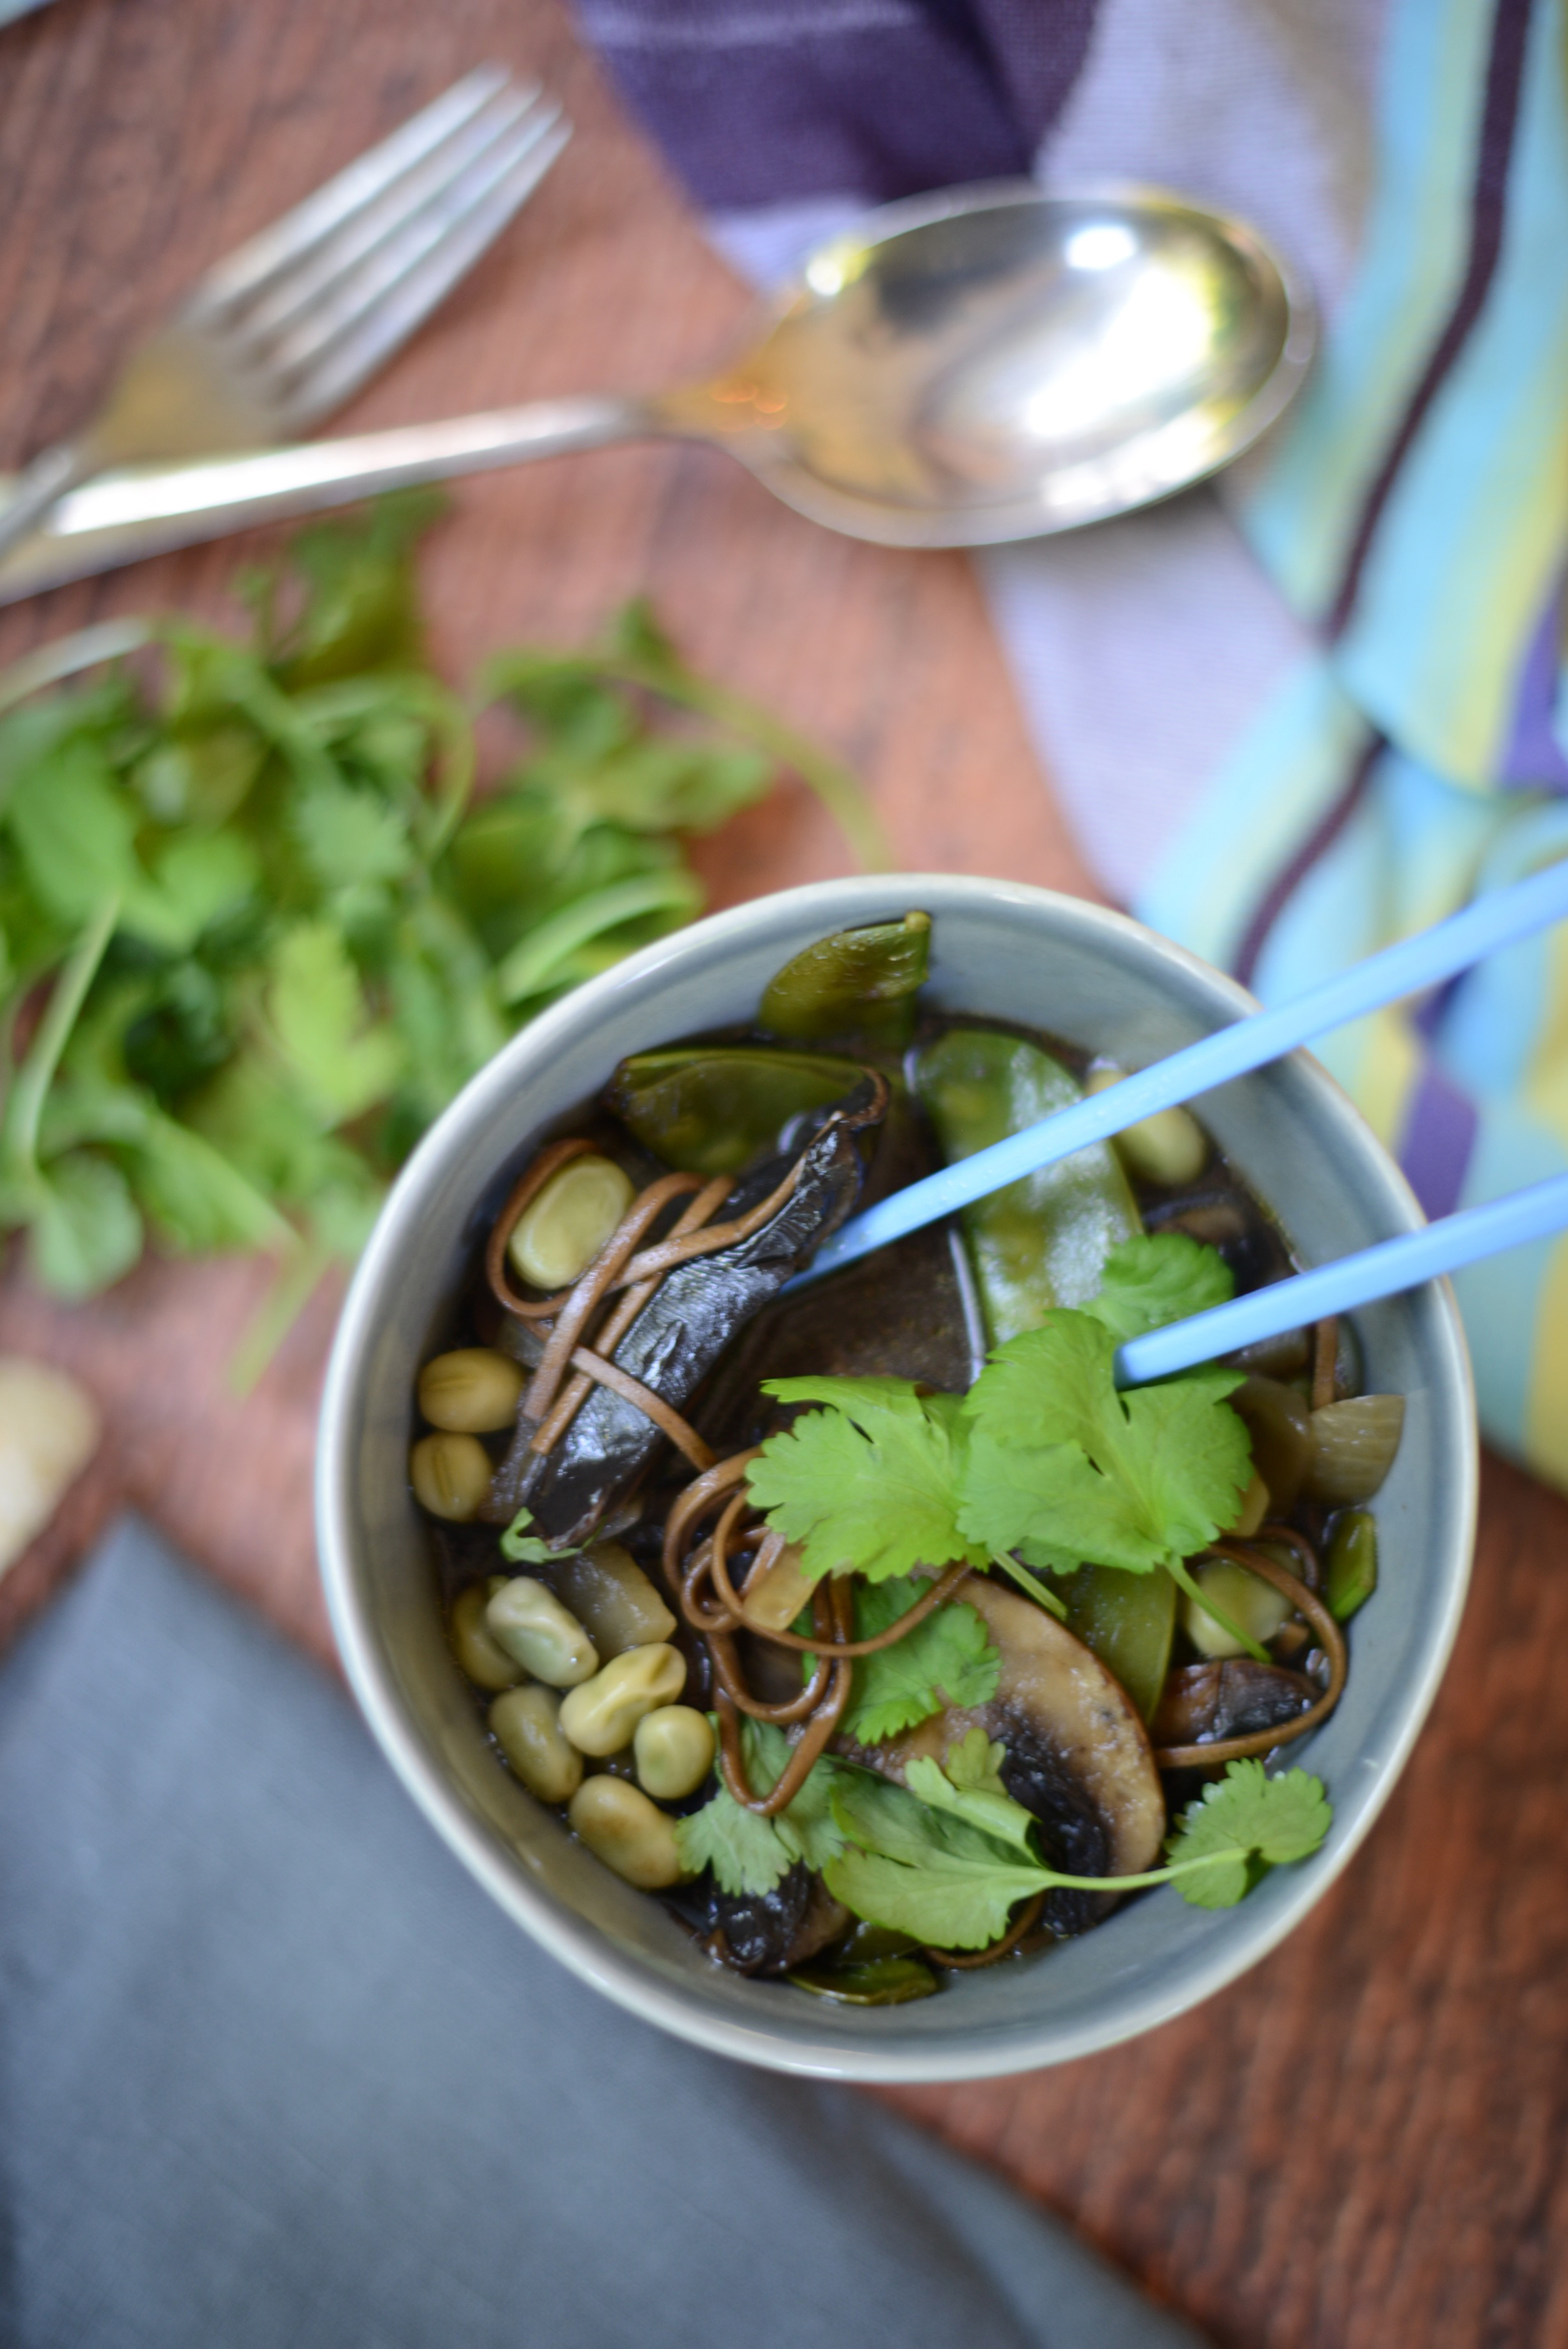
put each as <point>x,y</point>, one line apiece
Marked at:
<point>251,266</point>
<point>297,289</point>
<point>334,364</point>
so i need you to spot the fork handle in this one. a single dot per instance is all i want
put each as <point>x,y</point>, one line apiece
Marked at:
<point>119,516</point>
<point>41,484</point>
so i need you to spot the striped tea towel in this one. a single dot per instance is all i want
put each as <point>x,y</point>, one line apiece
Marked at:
<point>1296,715</point>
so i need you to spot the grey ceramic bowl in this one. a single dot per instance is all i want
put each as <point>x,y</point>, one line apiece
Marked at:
<point>1088,976</point>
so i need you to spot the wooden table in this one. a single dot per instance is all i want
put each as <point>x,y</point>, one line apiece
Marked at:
<point>1363,2142</point>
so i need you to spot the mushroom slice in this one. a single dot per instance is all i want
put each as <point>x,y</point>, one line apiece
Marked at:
<point>1205,1703</point>
<point>1078,1755</point>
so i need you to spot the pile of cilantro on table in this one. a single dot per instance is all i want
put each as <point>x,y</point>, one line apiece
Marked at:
<point>256,927</point>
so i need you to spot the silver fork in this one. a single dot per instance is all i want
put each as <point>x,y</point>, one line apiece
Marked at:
<point>284,330</point>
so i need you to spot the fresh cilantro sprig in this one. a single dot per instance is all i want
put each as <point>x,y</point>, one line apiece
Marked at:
<point>948,1858</point>
<point>255,931</point>
<point>1043,1458</point>
<point>949,1659</point>
<point>750,1854</point>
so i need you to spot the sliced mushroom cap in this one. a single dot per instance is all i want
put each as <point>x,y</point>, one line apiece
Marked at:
<point>1078,1756</point>
<point>768,1933</point>
<point>1203,1703</point>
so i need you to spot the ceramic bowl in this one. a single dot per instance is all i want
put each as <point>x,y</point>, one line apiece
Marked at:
<point>1099,981</point>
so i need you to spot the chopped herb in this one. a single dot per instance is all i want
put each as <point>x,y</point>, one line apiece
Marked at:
<point>253,932</point>
<point>922,1862</point>
<point>750,1854</point>
<point>1157,1278</point>
<point>869,1484</point>
<point>526,1549</point>
<point>949,1659</point>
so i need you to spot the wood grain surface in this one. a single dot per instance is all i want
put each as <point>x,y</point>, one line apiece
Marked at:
<point>1360,2145</point>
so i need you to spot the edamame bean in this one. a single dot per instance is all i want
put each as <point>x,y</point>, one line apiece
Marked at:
<point>486,1663</point>
<point>673,1747</point>
<point>1169,1148</point>
<point>471,1392</point>
<point>530,1623</point>
<point>608,1591</point>
<point>1255,1606</point>
<point>559,1234</point>
<point>527,1730</point>
<point>601,1715</point>
<point>450,1475</point>
<point>628,1833</point>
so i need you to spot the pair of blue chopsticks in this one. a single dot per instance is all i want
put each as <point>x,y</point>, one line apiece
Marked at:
<point>1495,920</point>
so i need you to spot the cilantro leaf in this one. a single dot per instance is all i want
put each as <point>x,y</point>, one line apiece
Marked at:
<point>948,1659</point>
<point>1064,1468</point>
<point>867,1486</point>
<point>972,1788</point>
<point>1246,1818</point>
<point>524,1548</point>
<point>750,1854</point>
<point>921,1871</point>
<point>1158,1277</point>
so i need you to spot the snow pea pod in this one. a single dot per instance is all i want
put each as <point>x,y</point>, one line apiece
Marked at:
<point>713,1110</point>
<point>1044,1240</point>
<point>1040,1243</point>
<point>859,983</point>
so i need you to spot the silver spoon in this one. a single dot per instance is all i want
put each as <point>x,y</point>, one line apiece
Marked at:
<point>986,364</point>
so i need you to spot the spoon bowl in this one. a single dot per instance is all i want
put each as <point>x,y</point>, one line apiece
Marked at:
<point>994,362</point>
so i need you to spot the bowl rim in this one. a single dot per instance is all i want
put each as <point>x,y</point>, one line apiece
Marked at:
<point>574,1940</point>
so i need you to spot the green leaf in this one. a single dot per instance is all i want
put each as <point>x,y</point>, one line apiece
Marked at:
<point>319,1018</point>
<point>1155,1277</point>
<point>1247,1819</point>
<point>524,1548</point>
<point>1065,1469</point>
<point>973,1791</point>
<point>751,1854</point>
<point>869,1485</point>
<point>199,1201</point>
<point>86,1230</point>
<point>949,1659</point>
<point>923,1870</point>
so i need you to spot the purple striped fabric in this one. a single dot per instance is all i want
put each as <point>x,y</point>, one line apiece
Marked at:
<point>1534,759</point>
<point>1438,1137</point>
<point>1312,850</point>
<point>760,101</point>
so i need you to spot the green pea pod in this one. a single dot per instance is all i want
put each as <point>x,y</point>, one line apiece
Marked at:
<point>1127,1621</point>
<point>1352,1563</point>
<point>713,1110</point>
<point>1043,1241</point>
<point>859,983</point>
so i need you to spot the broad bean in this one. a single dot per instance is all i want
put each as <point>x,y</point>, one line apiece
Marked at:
<point>530,1623</point>
<point>628,1833</point>
<point>486,1663</point>
<point>557,1235</point>
<point>673,1746</point>
<point>1169,1148</point>
<point>450,1475</point>
<point>471,1392</point>
<point>527,1729</point>
<point>601,1715</point>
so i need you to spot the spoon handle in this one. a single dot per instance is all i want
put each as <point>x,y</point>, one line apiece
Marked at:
<point>1384,1270</point>
<point>146,509</point>
<point>1497,919</point>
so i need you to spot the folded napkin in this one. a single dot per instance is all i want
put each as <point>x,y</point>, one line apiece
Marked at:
<point>274,2070</point>
<point>1295,717</point>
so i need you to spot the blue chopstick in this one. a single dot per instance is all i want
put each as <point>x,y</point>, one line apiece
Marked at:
<point>1384,1270</point>
<point>1497,919</point>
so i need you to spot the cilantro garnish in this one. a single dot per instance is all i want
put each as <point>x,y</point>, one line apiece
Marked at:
<point>948,1858</point>
<point>869,1484</point>
<point>949,1659</point>
<point>1157,1278</point>
<point>750,1854</point>
<point>266,934</point>
<point>526,1549</point>
<point>1043,1458</point>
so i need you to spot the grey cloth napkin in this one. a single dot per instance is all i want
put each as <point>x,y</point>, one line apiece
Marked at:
<point>274,2071</point>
